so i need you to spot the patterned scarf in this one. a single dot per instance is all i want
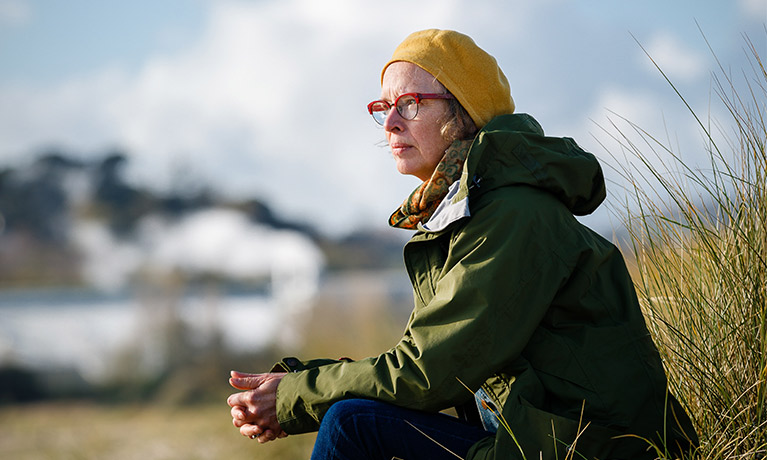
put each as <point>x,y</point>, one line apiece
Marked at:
<point>422,203</point>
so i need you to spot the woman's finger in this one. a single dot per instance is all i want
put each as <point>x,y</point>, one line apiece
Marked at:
<point>239,375</point>
<point>238,413</point>
<point>248,382</point>
<point>239,423</point>
<point>236,399</point>
<point>266,436</point>
<point>251,431</point>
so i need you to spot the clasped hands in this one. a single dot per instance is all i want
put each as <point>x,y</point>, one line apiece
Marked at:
<point>254,410</point>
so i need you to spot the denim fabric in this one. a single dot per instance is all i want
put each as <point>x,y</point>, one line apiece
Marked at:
<point>360,429</point>
<point>489,419</point>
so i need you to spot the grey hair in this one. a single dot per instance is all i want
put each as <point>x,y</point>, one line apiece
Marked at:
<point>457,124</point>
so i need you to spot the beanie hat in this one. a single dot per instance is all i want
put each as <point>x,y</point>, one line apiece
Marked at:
<point>465,69</point>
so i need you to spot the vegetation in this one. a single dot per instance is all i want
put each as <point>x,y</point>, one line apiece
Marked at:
<point>86,431</point>
<point>699,237</point>
<point>183,413</point>
<point>41,202</point>
<point>700,241</point>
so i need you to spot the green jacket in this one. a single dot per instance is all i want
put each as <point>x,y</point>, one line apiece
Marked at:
<point>514,295</point>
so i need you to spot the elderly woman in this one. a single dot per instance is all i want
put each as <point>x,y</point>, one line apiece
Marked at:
<point>525,321</point>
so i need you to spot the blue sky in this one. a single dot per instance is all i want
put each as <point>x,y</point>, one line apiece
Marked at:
<point>47,41</point>
<point>268,98</point>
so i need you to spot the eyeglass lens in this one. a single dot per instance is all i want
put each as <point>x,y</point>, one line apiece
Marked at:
<point>407,107</point>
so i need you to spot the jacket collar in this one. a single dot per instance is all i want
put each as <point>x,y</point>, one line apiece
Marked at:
<point>512,150</point>
<point>450,210</point>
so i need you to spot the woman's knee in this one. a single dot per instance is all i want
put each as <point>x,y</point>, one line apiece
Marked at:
<point>344,411</point>
<point>344,430</point>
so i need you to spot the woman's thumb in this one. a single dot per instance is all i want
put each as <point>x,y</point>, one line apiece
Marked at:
<point>240,375</point>
<point>243,381</point>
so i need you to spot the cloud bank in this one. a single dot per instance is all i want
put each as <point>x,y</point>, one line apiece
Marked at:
<point>269,98</point>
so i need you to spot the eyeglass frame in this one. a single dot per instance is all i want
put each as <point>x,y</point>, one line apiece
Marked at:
<point>417,96</point>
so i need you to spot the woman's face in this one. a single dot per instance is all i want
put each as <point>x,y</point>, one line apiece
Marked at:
<point>417,144</point>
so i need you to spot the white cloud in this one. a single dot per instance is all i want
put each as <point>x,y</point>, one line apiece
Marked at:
<point>632,128</point>
<point>640,107</point>
<point>674,58</point>
<point>268,100</point>
<point>72,114</point>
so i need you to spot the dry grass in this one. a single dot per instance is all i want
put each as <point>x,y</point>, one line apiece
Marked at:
<point>701,254</point>
<point>86,431</point>
<point>356,316</point>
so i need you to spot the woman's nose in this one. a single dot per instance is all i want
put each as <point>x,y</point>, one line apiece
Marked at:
<point>393,121</point>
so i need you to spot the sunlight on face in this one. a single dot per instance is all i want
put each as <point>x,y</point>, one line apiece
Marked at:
<point>417,145</point>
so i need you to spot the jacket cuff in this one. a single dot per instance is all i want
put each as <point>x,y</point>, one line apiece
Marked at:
<point>291,364</point>
<point>292,419</point>
<point>293,414</point>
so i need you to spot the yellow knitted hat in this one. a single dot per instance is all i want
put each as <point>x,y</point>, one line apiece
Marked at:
<point>466,70</point>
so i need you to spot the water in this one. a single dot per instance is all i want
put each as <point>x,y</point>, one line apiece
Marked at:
<point>86,331</point>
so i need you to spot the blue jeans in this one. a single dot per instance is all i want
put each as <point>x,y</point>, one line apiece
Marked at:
<point>361,429</point>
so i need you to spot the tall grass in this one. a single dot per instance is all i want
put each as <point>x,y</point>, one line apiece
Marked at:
<point>699,236</point>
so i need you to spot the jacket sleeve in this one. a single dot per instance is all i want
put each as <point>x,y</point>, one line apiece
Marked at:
<point>493,289</point>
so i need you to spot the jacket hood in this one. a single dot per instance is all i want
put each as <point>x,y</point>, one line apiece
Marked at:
<point>513,150</point>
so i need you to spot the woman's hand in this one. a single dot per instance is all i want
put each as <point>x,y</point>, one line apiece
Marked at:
<point>254,411</point>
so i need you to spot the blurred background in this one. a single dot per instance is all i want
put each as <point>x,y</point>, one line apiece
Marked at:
<point>190,186</point>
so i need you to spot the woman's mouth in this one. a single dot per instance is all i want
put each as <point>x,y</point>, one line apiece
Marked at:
<point>399,148</point>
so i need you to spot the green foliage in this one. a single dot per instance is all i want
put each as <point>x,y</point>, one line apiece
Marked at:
<point>700,241</point>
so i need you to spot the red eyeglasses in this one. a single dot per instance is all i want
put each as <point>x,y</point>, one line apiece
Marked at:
<point>406,104</point>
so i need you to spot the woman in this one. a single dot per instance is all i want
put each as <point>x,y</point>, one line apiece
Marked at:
<point>515,301</point>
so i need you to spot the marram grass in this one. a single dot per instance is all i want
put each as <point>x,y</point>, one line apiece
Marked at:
<point>699,236</point>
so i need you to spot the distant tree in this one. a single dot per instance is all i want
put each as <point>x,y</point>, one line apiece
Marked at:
<point>35,201</point>
<point>18,385</point>
<point>58,161</point>
<point>259,212</point>
<point>178,203</point>
<point>122,204</point>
